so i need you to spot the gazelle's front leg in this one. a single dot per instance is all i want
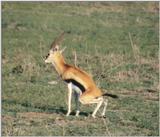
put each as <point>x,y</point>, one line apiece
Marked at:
<point>76,95</point>
<point>69,98</point>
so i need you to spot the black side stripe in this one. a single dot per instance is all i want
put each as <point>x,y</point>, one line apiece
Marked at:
<point>80,86</point>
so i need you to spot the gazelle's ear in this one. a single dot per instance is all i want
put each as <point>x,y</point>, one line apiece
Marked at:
<point>61,51</point>
<point>56,48</point>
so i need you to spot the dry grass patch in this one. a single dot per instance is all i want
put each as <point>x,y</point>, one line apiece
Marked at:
<point>125,76</point>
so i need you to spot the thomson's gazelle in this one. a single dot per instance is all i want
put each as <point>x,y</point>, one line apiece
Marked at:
<point>77,80</point>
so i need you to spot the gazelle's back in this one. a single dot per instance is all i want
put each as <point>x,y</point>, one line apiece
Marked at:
<point>83,78</point>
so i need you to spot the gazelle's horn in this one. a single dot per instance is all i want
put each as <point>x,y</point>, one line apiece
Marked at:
<point>57,41</point>
<point>63,50</point>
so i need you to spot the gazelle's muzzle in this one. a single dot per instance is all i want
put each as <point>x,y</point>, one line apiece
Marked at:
<point>46,61</point>
<point>46,58</point>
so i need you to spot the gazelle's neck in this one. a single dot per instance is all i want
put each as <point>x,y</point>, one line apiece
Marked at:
<point>59,64</point>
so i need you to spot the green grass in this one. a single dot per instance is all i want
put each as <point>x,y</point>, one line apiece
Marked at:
<point>99,33</point>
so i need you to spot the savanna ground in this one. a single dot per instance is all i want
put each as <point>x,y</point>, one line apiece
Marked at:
<point>116,42</point>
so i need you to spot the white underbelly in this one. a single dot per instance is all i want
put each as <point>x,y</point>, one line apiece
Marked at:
<point>76,89</point>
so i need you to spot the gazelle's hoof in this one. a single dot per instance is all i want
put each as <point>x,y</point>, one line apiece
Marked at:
<point>77,113</point>
<point>93,116</point>
<point>68,113</point>
<point>103,116</point>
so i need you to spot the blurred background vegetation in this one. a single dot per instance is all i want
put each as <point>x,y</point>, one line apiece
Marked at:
<point>116,42</point>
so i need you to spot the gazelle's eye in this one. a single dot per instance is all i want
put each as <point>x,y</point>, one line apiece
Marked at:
<point>55,49</point>
<point>47,55</point>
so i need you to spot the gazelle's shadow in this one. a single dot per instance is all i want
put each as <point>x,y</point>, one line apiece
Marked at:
<point>48,109</point>
<point>63,111</point>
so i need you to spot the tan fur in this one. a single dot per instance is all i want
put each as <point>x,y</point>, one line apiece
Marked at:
<point>70,72</point>
<point>92,93</point>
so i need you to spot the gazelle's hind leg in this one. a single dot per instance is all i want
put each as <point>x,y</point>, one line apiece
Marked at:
<point>89,100</point>
<point>100,102</point>
<point>105,106</point>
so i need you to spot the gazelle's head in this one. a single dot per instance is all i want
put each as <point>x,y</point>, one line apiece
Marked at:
<point>54,52</point>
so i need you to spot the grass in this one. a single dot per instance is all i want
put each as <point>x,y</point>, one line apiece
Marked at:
<point>116,42</point>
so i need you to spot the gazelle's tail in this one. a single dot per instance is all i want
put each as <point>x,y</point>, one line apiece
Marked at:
<point>110,95</point>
